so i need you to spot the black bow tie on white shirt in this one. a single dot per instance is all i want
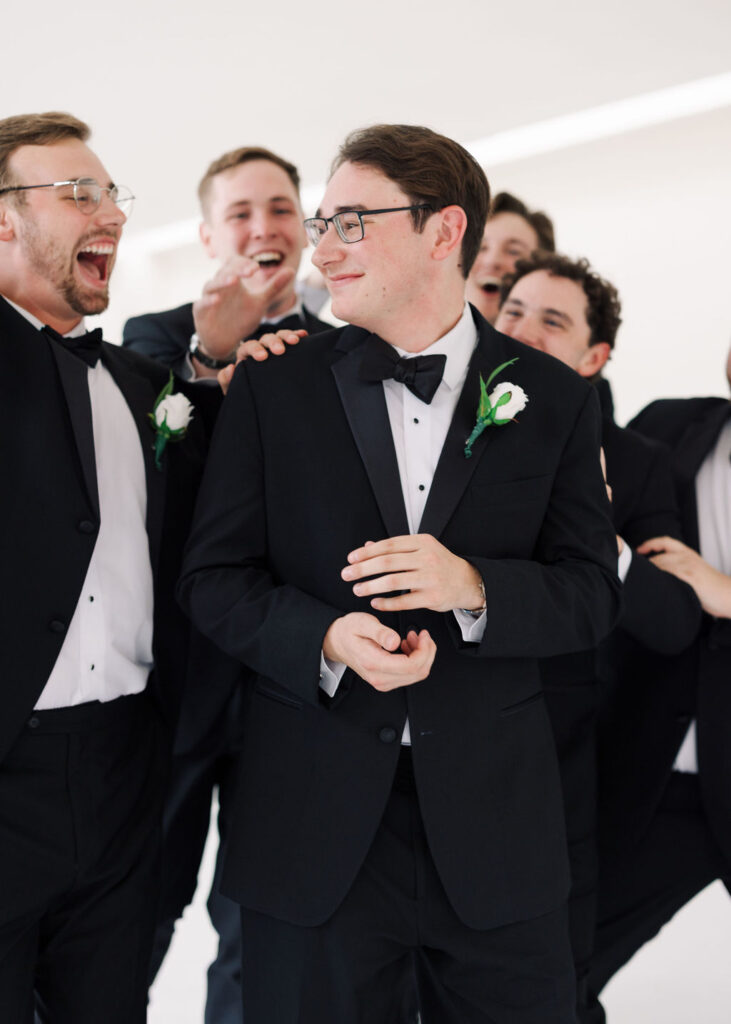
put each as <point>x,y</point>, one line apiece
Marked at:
<point>420,374</point>
<point>86,346</point>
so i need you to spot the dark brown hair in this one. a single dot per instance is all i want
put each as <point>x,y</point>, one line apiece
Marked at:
<point>603,307</point>
<point>34,130</point>
<point>242,156</point>
<point>505,202</point>
<point>428,168</point>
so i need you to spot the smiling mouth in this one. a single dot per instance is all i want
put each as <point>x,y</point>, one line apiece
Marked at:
<point>268,259</point>
<point>95,260</point>
<point>491,286</point>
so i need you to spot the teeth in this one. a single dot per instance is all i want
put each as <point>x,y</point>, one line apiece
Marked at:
<point>266,257</point>
<point>99,248</point>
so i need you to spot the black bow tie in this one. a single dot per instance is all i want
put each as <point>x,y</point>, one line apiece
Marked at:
<point>420,374</point>
<point>86,346</point>
<point>293,322</point>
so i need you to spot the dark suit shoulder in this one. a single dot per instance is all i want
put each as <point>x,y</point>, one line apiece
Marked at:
<point>163,336</point>
<point>639,471</point>
<point>667,418</point>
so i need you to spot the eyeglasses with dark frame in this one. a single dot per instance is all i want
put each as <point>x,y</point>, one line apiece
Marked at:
<point>349,223</point>
<point>87,194</point>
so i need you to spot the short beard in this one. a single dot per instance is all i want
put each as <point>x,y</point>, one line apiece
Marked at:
<point>48,261</point>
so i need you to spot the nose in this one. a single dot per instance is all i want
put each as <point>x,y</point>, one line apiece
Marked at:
<point>109,213</point>
<point>329,249</point>
<point>262,224</point>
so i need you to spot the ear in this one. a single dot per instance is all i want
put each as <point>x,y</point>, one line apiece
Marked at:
<point>7,228</point>
<point>205,235</point>
<point>594,359</point>
<point>450,226</point>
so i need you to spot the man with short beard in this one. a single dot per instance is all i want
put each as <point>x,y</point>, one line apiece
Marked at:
<point>93,645</point>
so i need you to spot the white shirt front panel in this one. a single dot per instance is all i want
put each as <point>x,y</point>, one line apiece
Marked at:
<point>713,501</point>
<point>107,650</point>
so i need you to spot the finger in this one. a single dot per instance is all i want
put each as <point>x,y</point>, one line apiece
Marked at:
<point>224,377</point>
<point>402,603</point>
<point>409,542</point>
<point>388,584</point>
<point>380,564</point>
<point>657,544</point>
<point>370,628</point>
<point>282,279</point>
<point>250,350</point>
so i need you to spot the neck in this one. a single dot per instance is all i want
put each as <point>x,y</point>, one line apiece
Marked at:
<point>282,305</point>
<point>35,299</point>
<point>425,325</point>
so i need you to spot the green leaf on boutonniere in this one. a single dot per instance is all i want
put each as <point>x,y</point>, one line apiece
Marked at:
<point>488,405</point>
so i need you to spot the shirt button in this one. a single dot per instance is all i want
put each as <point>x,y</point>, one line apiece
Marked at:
<point>415,419</point>
<point>421,487</point>
<point>56,626</point>
<point>387,734</point>
<point>86,526</point>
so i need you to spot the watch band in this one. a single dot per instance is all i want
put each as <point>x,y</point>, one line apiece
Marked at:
<point>203,358</point>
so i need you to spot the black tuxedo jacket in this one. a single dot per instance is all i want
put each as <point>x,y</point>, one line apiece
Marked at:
<point>648,722</point>
<point>166,336</point>
<point>211,677</point>
<point>660,617</point>
<point>301,471</point>
<point>50,510</point>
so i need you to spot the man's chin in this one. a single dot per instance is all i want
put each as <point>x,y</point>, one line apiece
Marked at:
<point>89,304</point>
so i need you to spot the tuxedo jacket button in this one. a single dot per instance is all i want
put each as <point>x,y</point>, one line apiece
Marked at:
<point>387,734</point>
<point>33,722</point>
<point>56,626</point>
<point>86,526</point>
<point>684,719</point>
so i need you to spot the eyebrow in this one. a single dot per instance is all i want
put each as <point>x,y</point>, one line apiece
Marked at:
<point>344,209</point>
<point>544,309</point>
<point>271,199</point>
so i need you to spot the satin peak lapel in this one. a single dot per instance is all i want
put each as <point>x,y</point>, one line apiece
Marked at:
<point>365,407</point>
<point>454,471</point>
<point>140,395</point>
<point>73,373</point>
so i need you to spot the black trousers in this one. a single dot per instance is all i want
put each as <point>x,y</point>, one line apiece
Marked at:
<point>204,762</point>
<point>395,943</point>
<point>640,891</point>
<point>186,820</point>
<point>80,800</point>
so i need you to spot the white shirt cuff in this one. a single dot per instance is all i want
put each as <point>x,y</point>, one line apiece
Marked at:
<point>624,562</point>
<point>472,629</point>
<point>331,672</point>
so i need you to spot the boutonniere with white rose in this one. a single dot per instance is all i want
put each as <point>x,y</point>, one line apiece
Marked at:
<point>170,417</point>
<point>498,408</point>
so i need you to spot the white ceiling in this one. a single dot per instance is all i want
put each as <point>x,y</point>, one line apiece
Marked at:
<point>167,86</point>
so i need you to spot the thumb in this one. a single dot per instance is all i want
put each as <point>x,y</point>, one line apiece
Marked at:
<point>280,280</point>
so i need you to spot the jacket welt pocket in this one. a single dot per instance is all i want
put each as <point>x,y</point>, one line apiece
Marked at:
<point>281,698</point>
<point>512,709</point>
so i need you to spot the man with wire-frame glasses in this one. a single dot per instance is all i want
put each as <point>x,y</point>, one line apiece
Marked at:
<point>93,645</point>
<point>392,573</point>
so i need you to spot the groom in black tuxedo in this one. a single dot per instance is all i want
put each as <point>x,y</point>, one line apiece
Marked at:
<point>398,812</point>
<point>93,647</point>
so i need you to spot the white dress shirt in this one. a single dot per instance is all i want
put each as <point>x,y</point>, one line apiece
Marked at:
<point>419,432</point>
<point>713,501</point>
<point>107,650</point>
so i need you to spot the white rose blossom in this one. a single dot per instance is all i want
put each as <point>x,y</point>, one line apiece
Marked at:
<point>517,402</point>
<point>175,411</point>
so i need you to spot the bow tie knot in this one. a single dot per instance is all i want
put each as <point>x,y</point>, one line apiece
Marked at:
<point>85,346</point>
<point>420,374</point>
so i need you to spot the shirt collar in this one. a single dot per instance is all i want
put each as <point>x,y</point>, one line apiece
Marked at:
<point>296,308</point>
<point>457,345</point>
<point>75,332</point>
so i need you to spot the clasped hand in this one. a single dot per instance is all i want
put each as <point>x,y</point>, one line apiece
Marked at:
<point>713,588</point>
<point>433,577</point>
